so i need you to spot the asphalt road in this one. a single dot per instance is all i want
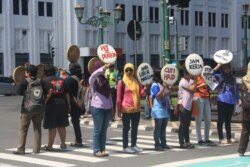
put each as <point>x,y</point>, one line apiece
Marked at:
<point>10,107</point>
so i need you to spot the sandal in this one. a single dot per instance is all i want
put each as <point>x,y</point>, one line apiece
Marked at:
<point>46,148</point>
<point>63,146</point>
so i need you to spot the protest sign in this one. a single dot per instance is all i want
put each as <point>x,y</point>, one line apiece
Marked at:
<point>169,74</point>
<point>208,77</point>
<point>94,64</point>
<point>223,56</point>
<point>145,74</point>
<point>73,53</point>
<point>194,64</point>
<point>106,53</point>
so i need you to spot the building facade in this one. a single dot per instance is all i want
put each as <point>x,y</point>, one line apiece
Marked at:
<point>29,28</point>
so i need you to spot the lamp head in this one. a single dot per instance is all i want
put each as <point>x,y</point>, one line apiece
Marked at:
<point>118,13</point>
<point>245,7</point>
<point>79,11</point>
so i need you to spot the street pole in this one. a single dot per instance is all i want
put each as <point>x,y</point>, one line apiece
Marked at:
<point>100,28</point>
<point>245,18</point>
<point>176,42</point>
<point>165,29</point>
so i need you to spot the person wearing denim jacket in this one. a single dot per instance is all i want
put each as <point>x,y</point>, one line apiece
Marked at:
<point>101,109</point>
<point>228,96</point>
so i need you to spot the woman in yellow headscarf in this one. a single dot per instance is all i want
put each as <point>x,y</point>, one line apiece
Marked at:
<point>128,106</point>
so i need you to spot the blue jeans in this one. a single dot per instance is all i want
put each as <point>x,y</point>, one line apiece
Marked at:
<point>160,131</point>
<point>101,118</point>
<point>204,112</point>
<point>134,118</point>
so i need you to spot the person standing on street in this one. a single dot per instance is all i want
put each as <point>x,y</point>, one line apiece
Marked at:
<point>101,109</point>
<point>128,107</point>
<point>245,132</point>
<point>71,85</point>
<point>185,96</point>
<point>112,76</point>
<point>228,96</point>
<point>202,99</point>
<point>56,111</point>
<point>31,112</point>
<point>160,105</point>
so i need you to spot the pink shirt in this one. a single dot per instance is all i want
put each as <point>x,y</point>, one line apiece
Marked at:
<point>184,96</point>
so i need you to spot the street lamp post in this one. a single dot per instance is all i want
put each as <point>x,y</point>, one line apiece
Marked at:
<point>172,20</point>
<point>245,8</point>
<point>101,21</point>
<point>165,30</point>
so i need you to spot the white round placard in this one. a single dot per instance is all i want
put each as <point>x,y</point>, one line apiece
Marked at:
<point>145,74</point>
<point>169,74</point>
<point>194,64</point>
<point>223,56</point>
<point>106,53</point>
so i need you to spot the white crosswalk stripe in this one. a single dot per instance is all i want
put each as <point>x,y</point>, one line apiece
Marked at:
<point>71,156</point>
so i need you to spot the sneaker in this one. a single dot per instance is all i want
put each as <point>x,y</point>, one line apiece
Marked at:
<point>47,148</point>
<point>183,146</point>
<point>232,141</point>
<point>136,149</point>
<point>166,147</point>
<point>210,143</point>
<point>223,141</point>
<point>158,148</point>
<point>18,152</point>
<point>241,154</point>
<point>128,150</point>
<point>63,146</point>
<point>201,142</point>
<point>98,154</point>
<point>76,144</point>
<point>190,146</point>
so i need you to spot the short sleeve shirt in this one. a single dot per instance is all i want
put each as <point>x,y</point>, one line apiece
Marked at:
<point>184,96</point>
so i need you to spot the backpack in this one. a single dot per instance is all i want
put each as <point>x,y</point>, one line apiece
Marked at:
<point>34,99</point>
<point>57,86</point>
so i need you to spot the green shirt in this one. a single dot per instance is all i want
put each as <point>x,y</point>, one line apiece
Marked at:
<point>112,77</point>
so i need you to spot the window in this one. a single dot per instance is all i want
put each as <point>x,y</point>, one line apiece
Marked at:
<point>45,58</point>
<point>1,6</point>
<point>137,13</point>
<point>211,19</point>
<point>40,8</point>
<point>121,60</point>
<point>224,20</point>
<point>16,7</point>
<point>171,12</point>
<point>21,58</point>
<point>49,9</point>
<point>184,17</point>
<point>1,63</point>
<point>123,11</point>
<point>198,44</point>
<point>25,7</point>
<point>198,18</point>
<point>155,60</point>
<point>154,15</point>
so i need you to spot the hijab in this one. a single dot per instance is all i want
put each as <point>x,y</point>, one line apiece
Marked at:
<point>246,78</point>
<point>101,86</point>
<point>132,84</point>
<point>227,78</point>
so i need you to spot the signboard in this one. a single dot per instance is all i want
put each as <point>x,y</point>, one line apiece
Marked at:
<point>106,53</point>
<point>18,74</point>
<point>194,64</point>
<point>134,30</point>
<point>223,56</point>
<point>73,53</point>
<point>145,74</point>
<point>94,64</point>
<point>169,74</point>
<point>208,77</point>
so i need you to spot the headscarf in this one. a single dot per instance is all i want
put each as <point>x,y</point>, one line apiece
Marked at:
<point>101,85</point>
<point>132,84</point>
<point>227,78</point>
<point>246,78</point>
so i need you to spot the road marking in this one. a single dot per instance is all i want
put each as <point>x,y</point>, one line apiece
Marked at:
<point>36,161</point>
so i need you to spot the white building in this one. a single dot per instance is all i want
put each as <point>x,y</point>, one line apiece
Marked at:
<point>27,26</point>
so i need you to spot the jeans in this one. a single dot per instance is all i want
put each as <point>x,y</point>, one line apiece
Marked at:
<point>185,120</point>
<point>134,118</point>
<point>160,132</point>
<point>204,112</point>
<point>75,119</point>
<point>101,118</point>
<point>225,112</point>
<point>113,95</point>
<point>24,122</point>
<point>147,113</point>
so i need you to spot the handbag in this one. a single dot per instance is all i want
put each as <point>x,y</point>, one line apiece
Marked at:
<point>246,100</point>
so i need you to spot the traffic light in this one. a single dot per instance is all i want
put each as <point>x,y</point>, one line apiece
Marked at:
<point>183,3</point>
<point>52,51</point>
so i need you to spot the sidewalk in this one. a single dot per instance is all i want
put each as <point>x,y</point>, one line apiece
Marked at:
<point>148,125</point>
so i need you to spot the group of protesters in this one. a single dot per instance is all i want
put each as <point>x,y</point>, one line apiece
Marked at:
<point>105,93</point>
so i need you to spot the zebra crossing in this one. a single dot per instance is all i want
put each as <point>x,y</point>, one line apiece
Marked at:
<point>72,156</point>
